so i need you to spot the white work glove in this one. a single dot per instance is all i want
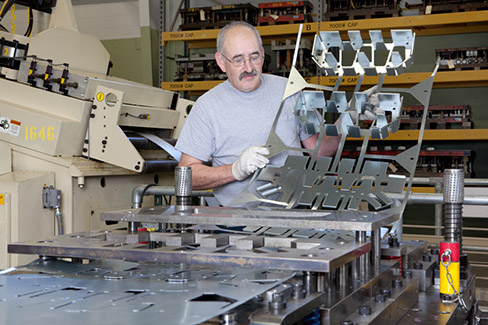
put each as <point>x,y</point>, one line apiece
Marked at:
<point>249,161</point>
<point>368,114</point>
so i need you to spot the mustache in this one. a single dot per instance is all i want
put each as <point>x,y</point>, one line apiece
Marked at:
<point>245,74</point>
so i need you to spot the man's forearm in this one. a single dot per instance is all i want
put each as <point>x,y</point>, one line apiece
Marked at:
<point>329,145</point>
<point>205,177</point>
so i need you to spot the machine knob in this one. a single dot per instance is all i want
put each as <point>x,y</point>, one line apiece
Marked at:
<point>407,274</point>
<point>427,258</point>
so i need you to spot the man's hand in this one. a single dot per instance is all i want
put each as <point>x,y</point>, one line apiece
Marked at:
<point>249,161</point>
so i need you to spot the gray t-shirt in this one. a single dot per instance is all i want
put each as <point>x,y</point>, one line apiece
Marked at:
<point>225,121</point>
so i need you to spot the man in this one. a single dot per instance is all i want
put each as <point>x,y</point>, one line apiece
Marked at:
<point>232,121</point>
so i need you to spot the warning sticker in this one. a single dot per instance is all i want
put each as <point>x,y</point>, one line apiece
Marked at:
<point>2,199</point>
<point>9,126</point>
<point>100,97</point>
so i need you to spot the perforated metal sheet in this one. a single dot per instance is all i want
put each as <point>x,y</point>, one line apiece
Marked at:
<point>118,292</point>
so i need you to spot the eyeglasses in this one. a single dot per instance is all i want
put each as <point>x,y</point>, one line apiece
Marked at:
<point>239,61</point>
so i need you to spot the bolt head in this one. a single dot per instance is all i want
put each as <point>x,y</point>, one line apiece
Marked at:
<point>397,283</point>
<point>365,310</point>
<point>380,297</point>
<point>386,292</point>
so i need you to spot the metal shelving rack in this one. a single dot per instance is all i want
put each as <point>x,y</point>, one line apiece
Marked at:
<point>423,25</point>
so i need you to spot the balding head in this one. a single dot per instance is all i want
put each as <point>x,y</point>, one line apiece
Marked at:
<point>235,24</point>
<point>237,44</point>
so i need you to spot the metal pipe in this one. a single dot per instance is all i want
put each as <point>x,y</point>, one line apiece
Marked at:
<point>310,282</point>
<point>437,198</point>
<point>438,210</point>
<point>142,190</point>
<point>475,248</point>
<point>376,248</point>
<point>361,237</point>
<point>342,275</point>
<point>323,284</point>
<point>453,205</point>
<point>183,185</point>
<point>59,219</point>
<point>354,266</point>
<point>435,180</point>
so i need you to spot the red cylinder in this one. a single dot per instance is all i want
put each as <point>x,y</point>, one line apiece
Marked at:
<point>453,247</point>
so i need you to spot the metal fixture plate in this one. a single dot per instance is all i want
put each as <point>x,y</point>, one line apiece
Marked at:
<point>117,292</point>
<point>285,252</point>
<point>339,220</point>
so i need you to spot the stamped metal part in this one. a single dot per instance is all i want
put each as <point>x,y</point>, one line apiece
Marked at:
<point>335,182</point>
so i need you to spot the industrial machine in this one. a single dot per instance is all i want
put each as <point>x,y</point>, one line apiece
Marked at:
<point>200,66</point>
<point>217,16</point>
<point>65,123</point>
<point>283,267</point>
<point>284,12</point>
<point>473,58</point>
<point>328,262</point>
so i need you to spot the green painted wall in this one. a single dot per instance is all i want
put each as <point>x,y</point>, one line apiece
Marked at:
<point>126,56</point>
<point>136,59</point>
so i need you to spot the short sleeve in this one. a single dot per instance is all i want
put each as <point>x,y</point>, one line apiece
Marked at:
<point>197,137</point>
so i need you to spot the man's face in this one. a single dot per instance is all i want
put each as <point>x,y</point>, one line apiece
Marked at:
<point>241,43</point>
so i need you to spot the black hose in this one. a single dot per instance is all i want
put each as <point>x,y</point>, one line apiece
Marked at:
<point>5,8</point>
<point>146,188</point>
<point>28,32</point>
